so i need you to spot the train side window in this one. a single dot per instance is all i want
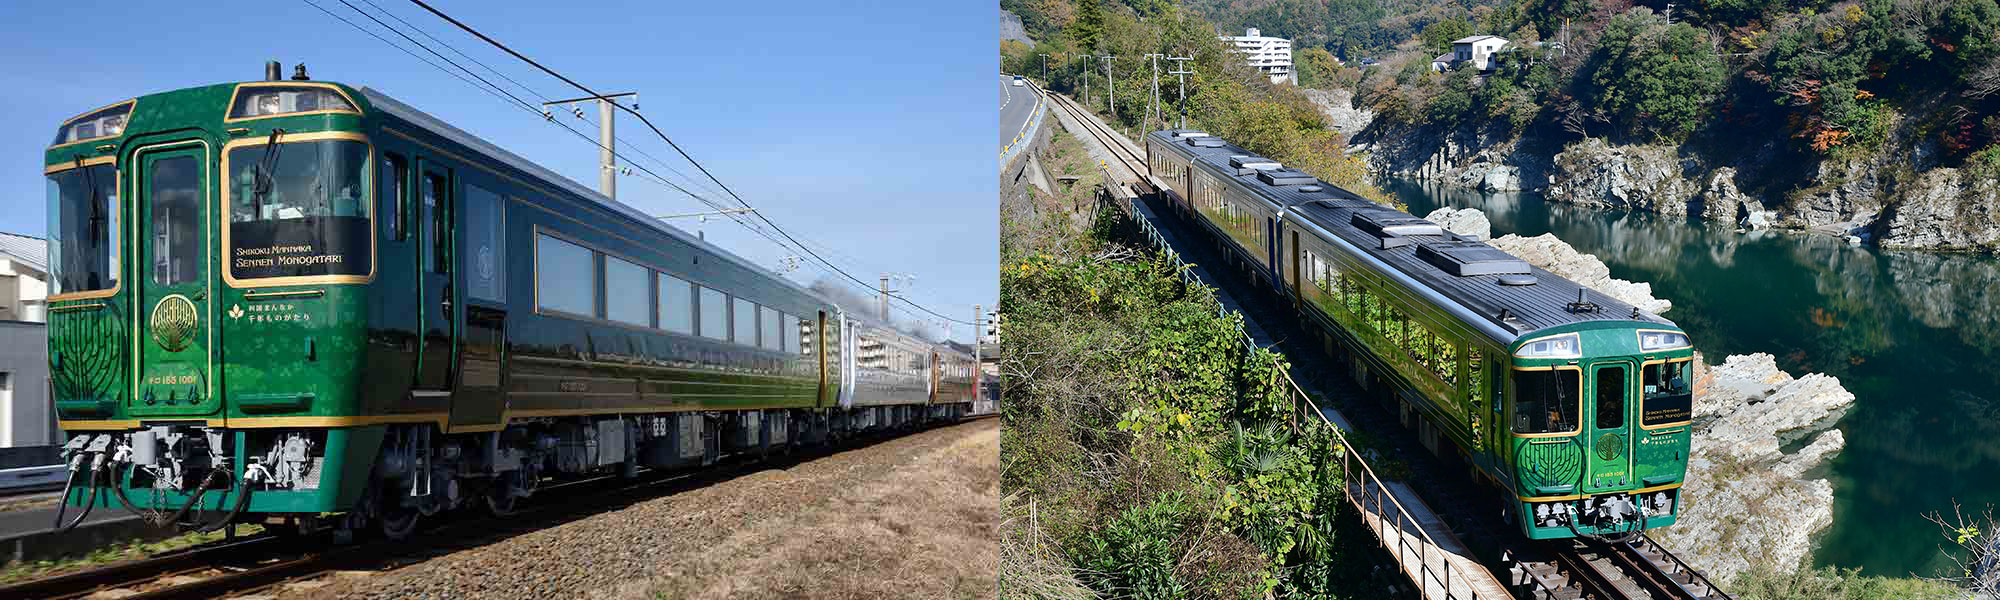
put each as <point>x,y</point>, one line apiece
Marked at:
<point>744,320</point>
<point>794,331</point>
<point>1546,401</point>
<point>1610,397</point>
<point>395,194</point>
<point>627,293</point>
<point>772,329</point>
<point>437,187</point>
<point>714,307</point>
<point>565,277</point>
<point>676,304</point>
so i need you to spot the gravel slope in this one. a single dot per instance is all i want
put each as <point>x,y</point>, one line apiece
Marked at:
<point>913,517</point>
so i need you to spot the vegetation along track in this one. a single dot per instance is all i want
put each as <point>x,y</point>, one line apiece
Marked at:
<point>1629,570</point>
<point>267,561</point>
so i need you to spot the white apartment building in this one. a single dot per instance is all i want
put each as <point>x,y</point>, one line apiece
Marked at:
<point>1271,55</point>
<point>25,415</point>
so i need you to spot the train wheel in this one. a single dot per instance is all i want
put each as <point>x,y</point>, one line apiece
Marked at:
<point>398,522</point>
<point>501,497</point>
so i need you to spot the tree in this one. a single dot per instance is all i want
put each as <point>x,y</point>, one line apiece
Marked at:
<point>1088,28</point>
<point>1315,67</point>
<point>1438,36</point>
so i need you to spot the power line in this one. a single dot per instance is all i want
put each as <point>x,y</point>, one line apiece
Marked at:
<point>677,148</point>
<point>490,89</point>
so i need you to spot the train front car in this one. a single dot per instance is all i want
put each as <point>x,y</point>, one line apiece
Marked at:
<point>293,300</point>
<point>184,218</point>
<point>1599,416</point>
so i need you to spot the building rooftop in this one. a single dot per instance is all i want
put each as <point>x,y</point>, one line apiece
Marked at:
<point>1476,38</point>
<point>28,249</point>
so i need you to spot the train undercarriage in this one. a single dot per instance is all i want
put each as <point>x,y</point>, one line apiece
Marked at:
<point>387,478</point>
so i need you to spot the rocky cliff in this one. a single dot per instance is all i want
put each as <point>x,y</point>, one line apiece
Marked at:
<point>1879,198</point>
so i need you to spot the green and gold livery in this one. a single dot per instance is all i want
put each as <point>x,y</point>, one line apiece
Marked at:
<point>1575,404</point>
<point>312,298</point>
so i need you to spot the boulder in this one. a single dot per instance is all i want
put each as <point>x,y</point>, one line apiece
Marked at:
<point>1468,222</point>
<point>1556,256</point>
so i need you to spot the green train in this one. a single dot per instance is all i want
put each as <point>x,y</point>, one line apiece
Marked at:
<point>312,305</point>
<point>1574,403</point>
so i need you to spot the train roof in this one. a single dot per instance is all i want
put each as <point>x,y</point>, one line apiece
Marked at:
<point>386,104</point>
<point>1501,294</point>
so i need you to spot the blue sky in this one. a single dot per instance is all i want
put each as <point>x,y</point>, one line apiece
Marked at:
<point>879,149</point>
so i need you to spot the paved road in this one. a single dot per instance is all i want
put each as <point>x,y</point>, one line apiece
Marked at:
<point>1016,105</point>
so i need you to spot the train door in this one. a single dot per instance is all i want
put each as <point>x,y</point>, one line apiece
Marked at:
<point>480,271</point>
<point>1271,249</point>
<point>176,364</point>
<point>438,339</point>
<point>1610,420</point>
<point>819,349</point>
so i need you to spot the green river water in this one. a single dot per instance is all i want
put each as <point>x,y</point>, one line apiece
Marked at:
<point>1914,335</point>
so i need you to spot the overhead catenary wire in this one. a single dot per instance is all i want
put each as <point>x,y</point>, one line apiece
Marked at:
<point>684,154</point>
<point>492,89</point>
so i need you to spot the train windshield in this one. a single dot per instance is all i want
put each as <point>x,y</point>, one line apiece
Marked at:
<point>83,230</point>
<point>299,209</point>
<point>1669,398</point>
<point>1546,401</point>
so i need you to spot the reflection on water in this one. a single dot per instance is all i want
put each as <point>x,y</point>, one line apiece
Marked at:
<point>1913,335</point>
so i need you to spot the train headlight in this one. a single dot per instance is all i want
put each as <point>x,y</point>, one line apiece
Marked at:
<point>1661,340</point>
<point>1556,346</point>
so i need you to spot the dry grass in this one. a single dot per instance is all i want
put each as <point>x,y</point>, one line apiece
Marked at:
<point>929,529</point>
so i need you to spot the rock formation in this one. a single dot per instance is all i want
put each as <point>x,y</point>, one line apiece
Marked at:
<point>1748,500</point>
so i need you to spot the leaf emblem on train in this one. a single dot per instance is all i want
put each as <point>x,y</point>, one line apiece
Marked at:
<point>1610,445</point>
<point>173,322</point>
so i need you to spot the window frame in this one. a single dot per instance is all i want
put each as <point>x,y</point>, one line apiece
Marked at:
<point>1514,401</point>
<point>118,203</point>
<point>224,211</point>
<point>687,303</point>
<point>1689,360</point>
<point>595,284</point>
<point>701,317</point>
<point>649,312</point>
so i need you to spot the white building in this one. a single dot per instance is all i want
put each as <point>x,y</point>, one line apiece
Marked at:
<point>24,277</point>
<point>1477,50</point>
<point>25,415</point>
<point>1271,55</point>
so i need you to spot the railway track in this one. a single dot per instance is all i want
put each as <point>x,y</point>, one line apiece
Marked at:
<point>1613,571</point>
<point>267,562</point>
<point>1571,570</point>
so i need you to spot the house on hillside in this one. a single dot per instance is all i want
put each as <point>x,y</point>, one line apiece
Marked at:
<point>25,415</point>
<point>1476,51</point>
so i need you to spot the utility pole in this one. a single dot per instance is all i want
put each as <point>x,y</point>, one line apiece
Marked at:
<point>1110,83</point>
<point>1182,71</point>
<point>1085,65</point>
<point>976,314</point>
<point>1153,107</point>
<point>1045,68</point>
<point>607,159</point>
